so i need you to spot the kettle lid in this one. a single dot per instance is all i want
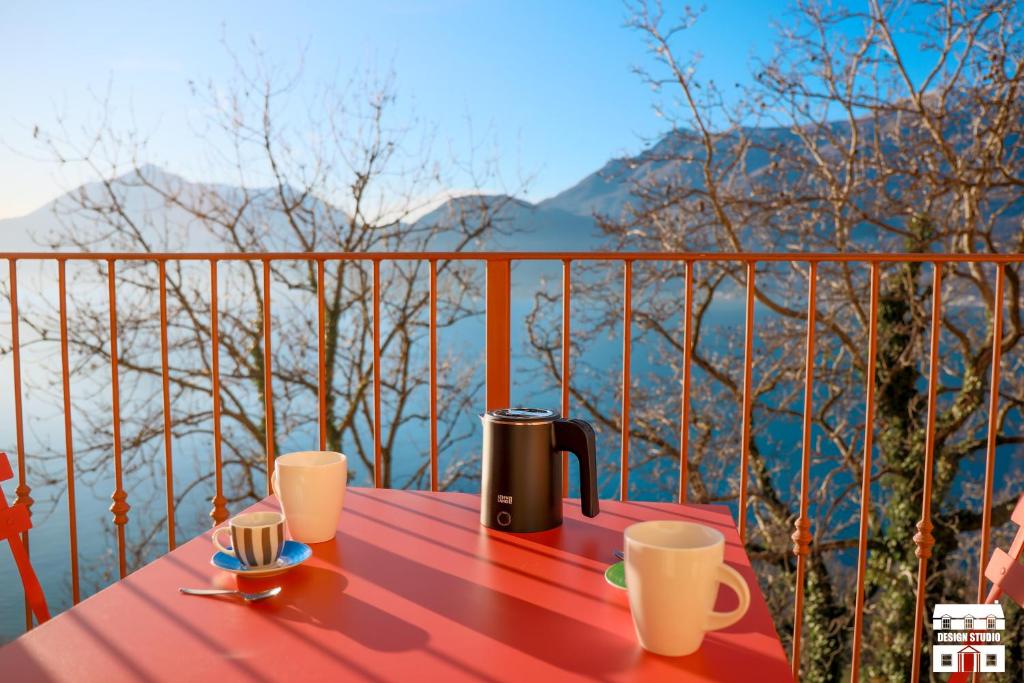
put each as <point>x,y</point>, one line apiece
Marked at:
<point>521,415</point>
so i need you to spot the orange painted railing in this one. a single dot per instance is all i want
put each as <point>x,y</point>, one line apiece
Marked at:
<point>498,347</point>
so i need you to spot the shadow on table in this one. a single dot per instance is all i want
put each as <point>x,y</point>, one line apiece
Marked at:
<point>538,576</point>
<point>583,539</point>
<point>558,639</point>
<point>569,642</point>
<point>157,610</point>
<point>22,664</point>
<point>317,596</point>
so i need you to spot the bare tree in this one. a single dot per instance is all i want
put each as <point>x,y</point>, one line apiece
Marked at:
<point>838,145</point>
<point>343,179</point>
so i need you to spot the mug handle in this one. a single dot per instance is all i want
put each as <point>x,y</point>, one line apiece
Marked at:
<point>731,578</point>
<point>227,551</point>
<point>273,483</point>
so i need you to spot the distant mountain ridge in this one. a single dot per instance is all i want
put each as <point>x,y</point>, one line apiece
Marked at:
<point>519,225</point>
<point>563,222</point>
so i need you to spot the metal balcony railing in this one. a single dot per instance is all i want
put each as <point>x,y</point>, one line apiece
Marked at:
<point>498,348</point>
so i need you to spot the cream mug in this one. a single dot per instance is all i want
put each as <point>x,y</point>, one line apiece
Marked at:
<point>673,570</point>
<point>311,488</point>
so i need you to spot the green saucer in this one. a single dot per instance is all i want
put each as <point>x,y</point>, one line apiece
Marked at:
<point>616,575</point>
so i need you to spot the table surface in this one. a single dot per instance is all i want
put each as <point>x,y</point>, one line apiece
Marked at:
<point>411,588</point>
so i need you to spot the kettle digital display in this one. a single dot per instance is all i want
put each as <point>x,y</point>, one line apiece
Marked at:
<point>521,482</point>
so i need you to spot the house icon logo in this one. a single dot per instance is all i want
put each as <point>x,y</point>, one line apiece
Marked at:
<point>968,638</point>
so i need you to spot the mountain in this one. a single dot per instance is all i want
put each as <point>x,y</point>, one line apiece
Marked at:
<point>517,225</point>
<point>676,158</point>
<point>563,222</point>
<point>23,233</point>
<point>148,210</point>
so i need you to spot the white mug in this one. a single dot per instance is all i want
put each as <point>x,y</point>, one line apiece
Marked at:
<point>672,574</point>
<point>311,488</point>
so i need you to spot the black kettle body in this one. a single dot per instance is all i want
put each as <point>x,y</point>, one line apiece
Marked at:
<point>521,486</point>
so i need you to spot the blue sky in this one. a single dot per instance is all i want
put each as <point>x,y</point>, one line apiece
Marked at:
<point>548,83</point>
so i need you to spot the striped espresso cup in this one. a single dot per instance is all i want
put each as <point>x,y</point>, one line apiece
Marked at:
<point>256,538</point>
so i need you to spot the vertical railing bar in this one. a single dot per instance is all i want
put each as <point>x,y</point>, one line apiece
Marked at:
<point>627,323</point>
<point>498,324</point>
<point>566,341</point>
<point>865,484</point>
<point>23,492</point>
<point>433,375</point>
<point>68,445</point>
<point>219,513</point>
<point>923,538</point>
<point>684,421</point>
<point>746,427</point>
<point>802,535</point>
<point>321,340</point>
<point>119,507</point>
<point>993,426</point>
<point>268,375</point>
<point>166,389</point>
<point>378,473</point>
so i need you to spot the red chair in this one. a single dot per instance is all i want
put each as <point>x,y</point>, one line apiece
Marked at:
<point>15,520</point>
<point>1005,572</point>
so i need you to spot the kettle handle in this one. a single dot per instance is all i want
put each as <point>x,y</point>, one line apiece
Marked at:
<point>577,437</point>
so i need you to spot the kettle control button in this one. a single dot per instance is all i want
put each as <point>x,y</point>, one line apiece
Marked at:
<point>504,518</point>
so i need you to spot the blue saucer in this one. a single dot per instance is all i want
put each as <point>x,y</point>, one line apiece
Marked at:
<point>292,554</point>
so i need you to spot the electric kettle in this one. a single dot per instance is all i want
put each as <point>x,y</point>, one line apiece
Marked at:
<point>521,486</point>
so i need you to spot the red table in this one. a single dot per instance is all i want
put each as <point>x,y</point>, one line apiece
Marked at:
<point>412,588</point>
